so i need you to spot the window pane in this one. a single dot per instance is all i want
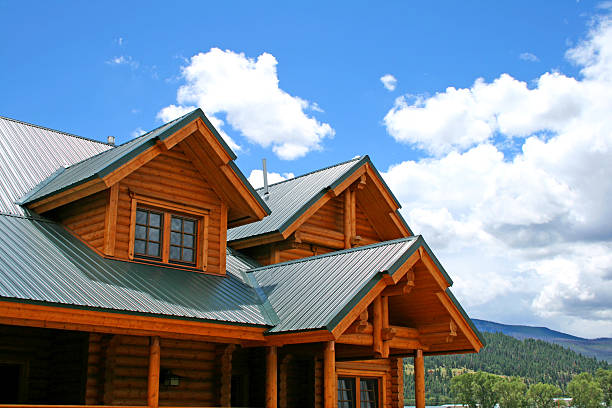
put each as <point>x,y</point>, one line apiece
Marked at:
<point>346,392</point>
<point>154,219</point>
<point>369,392</point>
<point>175,238</point>
<point>187,255</point>
<point>176,224</point>
<point>153,249</point>
<point>188,226</point>
<point>175,253</point>
<point>188,241</point>
<point>141,232</point>
<point>141,217</point>
<point>139,247</point>
<point>153,234</point>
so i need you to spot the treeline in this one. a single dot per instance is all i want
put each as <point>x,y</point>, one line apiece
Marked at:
<point>535,361</point>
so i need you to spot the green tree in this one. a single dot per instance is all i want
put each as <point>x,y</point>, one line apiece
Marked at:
<point>474,389</point>
<point>541,395</point>
<point>511,393</point>
<point>585,391</point>
<point>604,378</point>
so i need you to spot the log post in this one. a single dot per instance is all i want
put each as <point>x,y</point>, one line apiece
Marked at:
<point>330,382</point>
<point>347,219</point>
<point>153,382</point>
<point>385,324</point>
<point>271,377</point>
<point>377,323</point>
<point>419,379</point>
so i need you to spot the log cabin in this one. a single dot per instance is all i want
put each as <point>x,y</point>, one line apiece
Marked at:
<point>152,274</point>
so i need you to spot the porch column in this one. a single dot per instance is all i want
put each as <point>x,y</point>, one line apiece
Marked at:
<point>419,379</point>
<point>271,377</point>
<point>330,382</point>
<point>153,383</point>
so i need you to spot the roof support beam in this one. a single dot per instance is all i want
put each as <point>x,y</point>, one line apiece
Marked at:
<point>153,377</point>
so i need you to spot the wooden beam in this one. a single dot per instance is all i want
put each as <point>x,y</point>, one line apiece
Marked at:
<point>274,255</point>
<point>110,220</point>
<point>117,323</point>
<point>403,287</point>
<point>153,378</point>
<point>132,165</point>
<point>347,219</point>
<point>407,332</point>
<point>353,213</point>
<point>386,331</point>
<point>68,196</point>
<point>223,238</point>
<point>348,181</point>
<point>257,241</point>
<point>377,323</point>
<point>406,343</point>
<point>459,320</point>
<point>358,309</point>
<point>419,379</point>
<point>433,269</point>
<point>271,377</point>
<point>297,338</point>
<point>356,339</point>
<point>330,382</point>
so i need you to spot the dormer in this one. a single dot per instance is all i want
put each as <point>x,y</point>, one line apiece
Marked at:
<point>165,198</point>
<point>339,207</point>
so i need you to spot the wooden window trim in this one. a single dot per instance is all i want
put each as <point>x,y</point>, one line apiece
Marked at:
<point>357,375</point>
<point>169,208</point>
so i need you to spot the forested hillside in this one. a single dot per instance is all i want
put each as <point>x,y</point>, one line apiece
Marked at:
<point>533,360</point>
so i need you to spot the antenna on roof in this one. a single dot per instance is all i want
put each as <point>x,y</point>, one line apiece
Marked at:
<point>110,140</point>
<point>265,176</point>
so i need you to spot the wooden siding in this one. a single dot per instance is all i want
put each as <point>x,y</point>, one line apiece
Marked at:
<point>118,366</point>
<point>365,230</point>
<point>173,177</point>
<point>85,217</point>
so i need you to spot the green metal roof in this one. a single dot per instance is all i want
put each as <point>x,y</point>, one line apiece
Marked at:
<point>106,162</point>
<point>317,292</point>
<point>289,199</point>
<point>41,262</point>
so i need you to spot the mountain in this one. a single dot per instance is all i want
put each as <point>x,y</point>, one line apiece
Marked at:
<point>599,348</point>
<point>531,359</point>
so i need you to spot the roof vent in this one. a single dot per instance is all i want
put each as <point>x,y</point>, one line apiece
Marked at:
<point>265,176</point>
<point>110,140</point>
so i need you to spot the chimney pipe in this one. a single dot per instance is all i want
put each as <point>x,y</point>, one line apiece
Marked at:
<point>110,140</point>
<point>265,176</point>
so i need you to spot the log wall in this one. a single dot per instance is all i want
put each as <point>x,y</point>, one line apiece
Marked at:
<point>118,367</point>
<point>85,217</point>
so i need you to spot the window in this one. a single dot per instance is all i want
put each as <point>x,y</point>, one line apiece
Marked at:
<point>358,392</point>
<point>168,232</point>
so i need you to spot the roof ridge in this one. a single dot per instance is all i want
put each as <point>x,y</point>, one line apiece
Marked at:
<point>335,253</point>
<point>54,130</point>
<point>313,172</point>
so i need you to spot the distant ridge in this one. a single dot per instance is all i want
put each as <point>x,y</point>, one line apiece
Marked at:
<point>600,348</point>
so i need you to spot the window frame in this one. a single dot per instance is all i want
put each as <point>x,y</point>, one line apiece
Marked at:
<point>168,209</point>
<point>357,377</point>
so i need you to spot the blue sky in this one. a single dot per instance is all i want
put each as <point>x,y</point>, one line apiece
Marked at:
<point>482,170</point>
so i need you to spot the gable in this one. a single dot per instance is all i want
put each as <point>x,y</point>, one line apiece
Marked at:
<point>317,201</point>
<point>201,141</point>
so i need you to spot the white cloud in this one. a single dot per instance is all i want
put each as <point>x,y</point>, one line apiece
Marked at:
<point>389,82</point>
<point>526,235</point>
<point>247,91</point>
<point>138,132</point>
<point>124,60</point>
<point>256,178</point>
<point>527,56</point>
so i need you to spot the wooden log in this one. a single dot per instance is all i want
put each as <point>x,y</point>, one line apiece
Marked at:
<point>271,377</point>
<point>386,333</point>
<point>406,344</point>
<point>153,378</point>
<point>407,332</point>
<point>283,381</point>
<point>225,391</point>
<point>320,240</point>
<point>419,379</point>
<point>347,219</point>
<point>356,339</point>
<point>330,382</point>
<point>377,322</point>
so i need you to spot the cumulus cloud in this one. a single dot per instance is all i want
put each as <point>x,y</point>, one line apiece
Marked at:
<point>246,90</point>
<point>389,82</point>
<point>138,132</point>
<point>257,181</point>
<point>124,60</point>
<point>530,230</point>
<point>527,56</point>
